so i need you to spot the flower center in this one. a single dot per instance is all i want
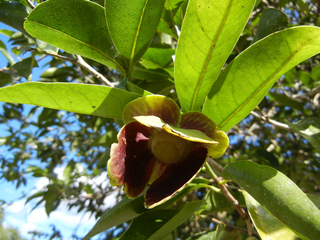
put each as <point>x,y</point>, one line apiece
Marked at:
<point>168,148</point>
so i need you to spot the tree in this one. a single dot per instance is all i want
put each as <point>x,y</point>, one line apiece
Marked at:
<point>246,68</point>
<point>8,233</point>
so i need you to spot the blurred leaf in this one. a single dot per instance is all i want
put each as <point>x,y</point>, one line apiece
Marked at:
<point>123,211</point>
<point>13,14</point>
<point>267,225</point>
<point>308,128</point>
<point>158,224</point>
<point>205,44</point>
<point>151,75</point>
<point>217,202</point>
<point>279,195</point>
<point>7,55</point>
<point>315,73</point>
<point>284,100</point>
<point>65,29</point>
<point>81,98</point>
<point>5,79</point>
<point>25,66</point>
<point>148,223</point>
<point>315,199</point>
<point>132,26</point>
<point>248,78</point>
<point>271,20</point>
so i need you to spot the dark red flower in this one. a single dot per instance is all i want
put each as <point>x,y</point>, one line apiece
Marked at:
<point>161,147</point>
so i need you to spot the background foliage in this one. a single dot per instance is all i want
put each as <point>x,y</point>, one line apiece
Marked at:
<point>39,140</point>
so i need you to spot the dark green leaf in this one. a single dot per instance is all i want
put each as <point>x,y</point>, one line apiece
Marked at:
<point>25,66</point>
<point>66,29</point>
<point>132,25</point>
<point>123,211</point>
<point>81,98</point>
<point>5,79</point>
<point>279,195</point>
<point>271,20</point>
<point>248,78</point>
<point>309,128</point>
<point>284,100</point>
<point>204,45</point>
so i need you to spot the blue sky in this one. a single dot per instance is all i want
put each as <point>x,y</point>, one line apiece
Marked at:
<point>18,214</point>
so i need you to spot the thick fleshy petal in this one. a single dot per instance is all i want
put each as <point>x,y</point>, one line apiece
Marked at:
<point>153,105</point>
<point>175,177</point>
<point>199,121</point>
<point>132,162</point>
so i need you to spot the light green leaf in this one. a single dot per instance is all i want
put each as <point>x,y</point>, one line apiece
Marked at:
<point>267,225</point>
<point>80,98</point>
<point>248,78</point>
<point>308,128</point>
<point>279,195</point>
<point>132,25</point>
<point>7,55</point>
<point>204,45</point>
<point>271,20</point>
<point>123,211</point>
<point>25,66</point>
<point>157,56</point>
<point>68,29</point>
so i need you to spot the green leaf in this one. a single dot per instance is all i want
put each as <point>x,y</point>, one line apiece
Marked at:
<point>80,98</point>
<point>25,66</point>
<point>284,100</point>
<point>248,78</point>
<point>279,195</point>
<point>157,224</point>
<point>271,20</point>
<point>13,14</point>
<point>152,75</point>
<point>148,223</point>
<point>7,55</point>
<point>81,30</point>
<point>308,128</point>
<point>123,211</point>
<point>267,225</point>
<point>204,45</point>
<point>157,56</point>
<point>217,202</point>
<point>5,79</point>
<point>132,25</point>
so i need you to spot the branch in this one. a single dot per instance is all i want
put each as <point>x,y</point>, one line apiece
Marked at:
<point>215,165</point>
<point>273,122</point>
<point>30,4</point>
<point>80,62</point>
<point>228,195</point>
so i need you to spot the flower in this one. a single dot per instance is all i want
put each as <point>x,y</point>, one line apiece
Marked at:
<point>161,147</point>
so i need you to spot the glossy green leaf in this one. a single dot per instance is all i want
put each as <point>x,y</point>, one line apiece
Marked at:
<point>205,44</point>
<point>248,78</point>
<point>271,20</point>
<point>167,222</point>
<point>309,128</point>
<point>157,56</point>
<point>81,98</point>
<point>151,75</point>
<point>279,195</point>
<point>123,211</point>
<point>25,66</point>
<point>65,29</point>
<point>13,14</point>
<point>132,25</point>
<point>267,225</point>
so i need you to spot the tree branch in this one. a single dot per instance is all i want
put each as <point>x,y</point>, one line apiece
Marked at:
<point>80,62</point>
<point>273,122</point>
<point>30,4</point>
<point>228,195</point>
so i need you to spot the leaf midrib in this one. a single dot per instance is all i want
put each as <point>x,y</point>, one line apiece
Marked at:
<point>78,40</point>
<point>264,84</point>
<point>209,56</point>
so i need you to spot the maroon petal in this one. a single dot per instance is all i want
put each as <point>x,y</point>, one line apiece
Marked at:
<point>132,161</point>
<point>198,121</point>
<point>175,177</point>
